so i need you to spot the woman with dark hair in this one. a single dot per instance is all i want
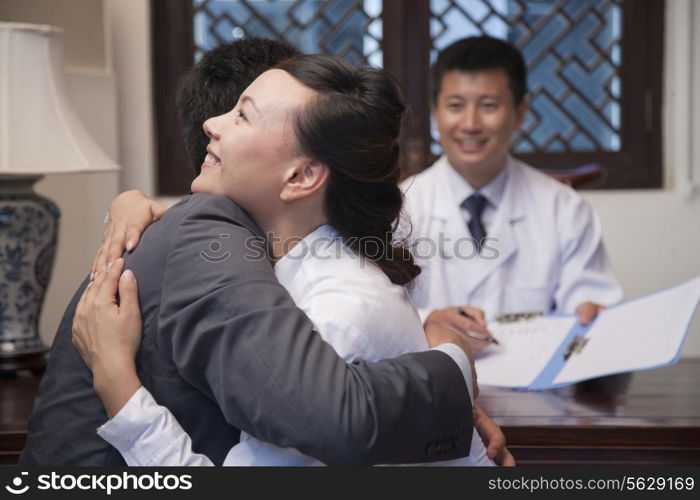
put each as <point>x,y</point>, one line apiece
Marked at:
<point>310,152</point>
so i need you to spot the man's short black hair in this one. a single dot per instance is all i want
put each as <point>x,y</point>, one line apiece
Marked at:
<point>482,53</point>
<point>213,85</point>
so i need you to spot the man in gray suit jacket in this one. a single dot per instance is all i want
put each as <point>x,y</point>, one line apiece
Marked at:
<point>224,344</point>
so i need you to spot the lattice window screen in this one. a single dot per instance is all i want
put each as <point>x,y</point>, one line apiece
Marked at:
<point>349,28</point>
<point>572,50</point>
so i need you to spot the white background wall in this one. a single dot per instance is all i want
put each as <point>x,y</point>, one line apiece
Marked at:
<point>653,236</point>
<point>129,23</point>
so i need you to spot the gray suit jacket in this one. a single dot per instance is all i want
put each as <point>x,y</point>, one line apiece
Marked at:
<point>225,348</point>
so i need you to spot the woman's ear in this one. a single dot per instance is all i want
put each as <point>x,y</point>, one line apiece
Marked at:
<point>304,180</point>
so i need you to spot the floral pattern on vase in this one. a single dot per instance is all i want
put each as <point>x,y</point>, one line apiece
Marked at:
<point>28,237</point>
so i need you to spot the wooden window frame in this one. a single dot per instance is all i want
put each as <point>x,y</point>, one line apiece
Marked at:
<point>406,48</point>
<point>173,48</point>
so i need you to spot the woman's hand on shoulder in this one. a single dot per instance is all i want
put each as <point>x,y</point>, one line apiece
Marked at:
<point>107,335</point>
<point>129,215</point>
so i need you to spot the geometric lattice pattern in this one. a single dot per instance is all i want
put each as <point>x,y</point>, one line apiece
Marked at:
<point>351,29</point>
<point>571,47</point>
<point>572,51</point>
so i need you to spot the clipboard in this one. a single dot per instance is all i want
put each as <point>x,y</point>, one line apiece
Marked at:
<point>545,352</point>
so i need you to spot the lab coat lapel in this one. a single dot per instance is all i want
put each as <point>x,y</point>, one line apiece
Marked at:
<point>449,233</point>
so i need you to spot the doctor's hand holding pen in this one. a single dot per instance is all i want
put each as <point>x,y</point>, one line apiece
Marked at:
<point>468,320</point>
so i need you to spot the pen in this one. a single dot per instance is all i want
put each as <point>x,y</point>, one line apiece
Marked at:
<point>475,335</point>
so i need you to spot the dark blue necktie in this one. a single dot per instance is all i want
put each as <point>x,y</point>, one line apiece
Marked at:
<point>475,204</point>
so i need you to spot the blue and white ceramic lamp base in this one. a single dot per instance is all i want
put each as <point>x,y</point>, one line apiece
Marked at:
<point>28,237</point>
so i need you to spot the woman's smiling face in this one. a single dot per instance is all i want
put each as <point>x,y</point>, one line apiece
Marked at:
<point>253,145</point>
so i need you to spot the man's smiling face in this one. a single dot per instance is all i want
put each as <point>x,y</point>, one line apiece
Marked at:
<point>476,117</point>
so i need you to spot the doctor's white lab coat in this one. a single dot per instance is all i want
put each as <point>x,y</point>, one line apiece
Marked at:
<point>544,253</point>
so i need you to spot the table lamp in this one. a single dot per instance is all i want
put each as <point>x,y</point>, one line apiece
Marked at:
<point>39,135</point>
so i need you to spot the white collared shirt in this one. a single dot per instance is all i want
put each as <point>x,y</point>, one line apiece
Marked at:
<point>460,190</point>
<point>355,308</point>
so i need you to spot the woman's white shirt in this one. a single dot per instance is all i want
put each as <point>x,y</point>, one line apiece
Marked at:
<point>354,307</point>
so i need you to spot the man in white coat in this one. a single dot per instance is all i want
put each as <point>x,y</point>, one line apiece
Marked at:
<point>494,235</point>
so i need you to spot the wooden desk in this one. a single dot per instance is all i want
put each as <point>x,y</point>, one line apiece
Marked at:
<point>646,418</point>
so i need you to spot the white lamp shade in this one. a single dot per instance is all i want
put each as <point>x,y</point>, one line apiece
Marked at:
<point>39,132</point>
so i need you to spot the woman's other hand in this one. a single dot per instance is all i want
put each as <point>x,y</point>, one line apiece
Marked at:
<point>493,438</point>
<point>129,215</point>
<point>107,334</point>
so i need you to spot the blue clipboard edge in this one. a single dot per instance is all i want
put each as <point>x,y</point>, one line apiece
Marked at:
<point>546,377</point>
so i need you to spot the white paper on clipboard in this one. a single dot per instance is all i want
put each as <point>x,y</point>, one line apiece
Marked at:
<point>525,349</point>
<point>642,333</point>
